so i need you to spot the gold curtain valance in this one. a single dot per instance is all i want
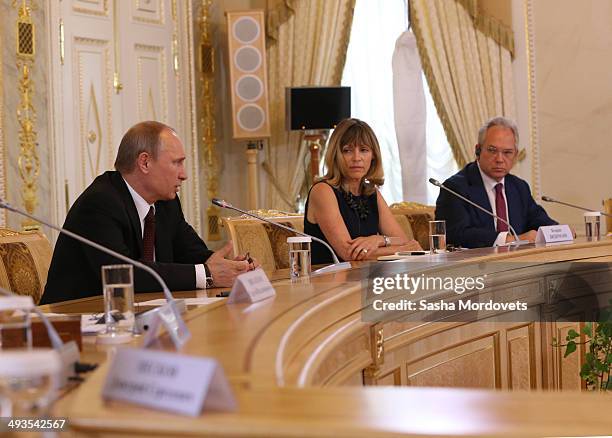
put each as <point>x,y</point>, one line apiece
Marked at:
<point>277,13</point>
<point>490,26</point>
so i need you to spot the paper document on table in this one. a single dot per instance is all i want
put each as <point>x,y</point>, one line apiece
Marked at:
<point>198,301</point>
<point>89,323</point>
<point>421,258</point>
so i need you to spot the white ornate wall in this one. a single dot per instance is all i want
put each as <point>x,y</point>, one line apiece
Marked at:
<point>571,100</point>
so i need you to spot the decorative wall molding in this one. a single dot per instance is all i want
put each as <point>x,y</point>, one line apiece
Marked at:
<point>532,98</point>
<point>3,155</point>
<point>28,163</point>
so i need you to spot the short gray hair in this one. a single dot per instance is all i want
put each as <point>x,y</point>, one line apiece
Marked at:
<point>142,137</point>
<point>498,121</point>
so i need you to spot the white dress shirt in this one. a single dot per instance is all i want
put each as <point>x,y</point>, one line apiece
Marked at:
<point>142,207</point>
<point>489,185</point>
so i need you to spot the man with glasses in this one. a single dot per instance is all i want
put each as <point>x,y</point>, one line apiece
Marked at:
<point>488,183</point>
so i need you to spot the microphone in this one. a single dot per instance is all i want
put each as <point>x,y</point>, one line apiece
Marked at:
<point>517,240</point>
<point>68,352</point>
<point>336,266</point>
<point>169,312</point>
<point>549,199</point>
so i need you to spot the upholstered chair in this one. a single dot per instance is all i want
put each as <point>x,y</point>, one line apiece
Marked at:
<point>414,219</point>
<point>24,262</point>
<point>263,241</point>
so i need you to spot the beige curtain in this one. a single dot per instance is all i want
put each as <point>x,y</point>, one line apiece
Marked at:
<point>306,46</point>
<point>466,58</point>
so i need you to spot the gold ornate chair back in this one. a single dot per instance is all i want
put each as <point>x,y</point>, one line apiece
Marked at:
<point>24,262</point>
<point>414,219</point>
<point>264,242</point>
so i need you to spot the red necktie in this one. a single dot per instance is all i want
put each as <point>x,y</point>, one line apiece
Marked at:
<point>500,208</point>
<point>148,237</point>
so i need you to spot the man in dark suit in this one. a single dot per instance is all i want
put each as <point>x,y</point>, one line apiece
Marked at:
<point>136,212</point>
<point>488,183</point>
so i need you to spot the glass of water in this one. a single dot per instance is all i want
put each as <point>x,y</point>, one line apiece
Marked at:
<point>299,258</point>
<point>437,236</point>
<point>29,380</point>
<point>118,289</point>
<point>592,224</point>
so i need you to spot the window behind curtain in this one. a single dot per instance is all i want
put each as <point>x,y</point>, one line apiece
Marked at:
<point>376,26</point>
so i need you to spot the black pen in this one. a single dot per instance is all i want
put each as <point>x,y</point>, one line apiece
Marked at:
<point>249,260</point>
<point>223,294</point>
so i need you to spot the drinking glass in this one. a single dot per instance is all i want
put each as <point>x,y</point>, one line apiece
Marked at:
<point>299,258</point>
<point>592,224</point>
<point>437,236</point>
<point>29,380</point>
<point>118,289</point>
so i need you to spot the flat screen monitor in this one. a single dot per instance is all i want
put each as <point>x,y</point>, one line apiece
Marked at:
<point>317,107</point>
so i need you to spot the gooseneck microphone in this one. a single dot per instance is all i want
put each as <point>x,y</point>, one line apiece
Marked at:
<point>517,240</point>
<point>169,312</point>
<point>549,199</point>
<point>336,266</point>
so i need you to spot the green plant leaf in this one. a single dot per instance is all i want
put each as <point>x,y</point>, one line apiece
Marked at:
<point>572,334</point>
<point>571,347</point>
<point>585,370</point>
<point>588,329</point>
<point>600,366</point>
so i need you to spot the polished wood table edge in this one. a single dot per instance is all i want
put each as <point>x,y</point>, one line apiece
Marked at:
<point>277,410</point>
<point>505,253</point>
<point>358,412</point>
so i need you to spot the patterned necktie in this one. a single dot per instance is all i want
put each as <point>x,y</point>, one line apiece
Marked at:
<point>500,207</point>
<point>148,237</point>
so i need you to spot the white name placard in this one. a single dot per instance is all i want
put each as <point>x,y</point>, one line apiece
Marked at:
<point>251,287</point>
<point>169,316</point>
<point>168,381</point>
<point>554,233</point>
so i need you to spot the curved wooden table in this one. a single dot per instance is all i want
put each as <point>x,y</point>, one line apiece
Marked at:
<point>298,362</point>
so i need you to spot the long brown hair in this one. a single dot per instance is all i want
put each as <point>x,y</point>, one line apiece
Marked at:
<point>353,132</point>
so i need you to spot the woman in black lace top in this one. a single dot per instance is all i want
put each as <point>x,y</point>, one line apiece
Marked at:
<point>345,207</point>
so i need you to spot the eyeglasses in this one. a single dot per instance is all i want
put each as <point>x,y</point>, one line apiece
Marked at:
<point>507,153</point>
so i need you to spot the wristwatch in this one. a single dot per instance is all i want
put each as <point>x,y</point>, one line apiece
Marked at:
<point>209,278</point>
<point>387,240</point>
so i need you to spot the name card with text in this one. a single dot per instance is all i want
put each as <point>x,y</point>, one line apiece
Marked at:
<point>554,233</point>
<point>168,381</point>
<point>251,287</point>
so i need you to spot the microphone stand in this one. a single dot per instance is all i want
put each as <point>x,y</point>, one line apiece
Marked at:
<point>169,312</point>
<point>516,242</point>
<point>336,266</point>
<point>549,199</point>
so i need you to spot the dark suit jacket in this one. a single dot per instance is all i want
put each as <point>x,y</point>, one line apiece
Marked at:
<point>472,228</point>
<point>105,213</point>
